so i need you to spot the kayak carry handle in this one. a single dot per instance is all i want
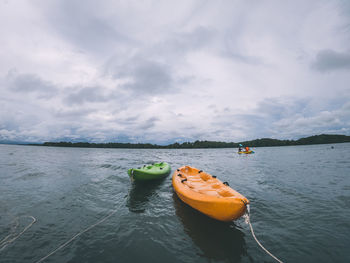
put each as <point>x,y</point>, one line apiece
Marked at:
<point>179,175</point>
<point>183,180</point>
<point>226,183</point>
<point>200,171</point>
<point>214,176</point>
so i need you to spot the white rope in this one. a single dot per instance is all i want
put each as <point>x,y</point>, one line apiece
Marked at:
<point>6,240</point>
<point>13,229</point>
<point>75,236</point>
<point>247,220</point>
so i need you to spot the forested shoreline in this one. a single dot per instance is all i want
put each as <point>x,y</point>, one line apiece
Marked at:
<point>264,142</point>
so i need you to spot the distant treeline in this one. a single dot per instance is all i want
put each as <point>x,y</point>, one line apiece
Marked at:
<point>264,142</point>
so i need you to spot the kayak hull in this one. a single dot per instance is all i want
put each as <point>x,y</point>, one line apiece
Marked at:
<point>246,152</point>
<point>150,172</point>
<point>209,196</point>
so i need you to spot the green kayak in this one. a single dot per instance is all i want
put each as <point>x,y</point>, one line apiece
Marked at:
<point>150,172</point>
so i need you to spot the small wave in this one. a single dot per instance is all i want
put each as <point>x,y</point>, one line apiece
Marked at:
<point>31,175</point>
<point>110,166</point>
<point>99,178</point>
<point>116,167</point>
<point>105,165</point>
<point>344,201</point>
<point>21,170</point>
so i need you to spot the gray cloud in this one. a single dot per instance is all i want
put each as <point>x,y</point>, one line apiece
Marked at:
<point>180,43</point>
<point>277,108</point>
<point>130,120</point>
<point>144,76</point>
<point>30,83</point>
<point>82,26</point>
<point>72,114</point>
<point>254,60</point>
<point>86,95</point>
<point>330,60</point>
<point>199,37</point>
<point>148,124</point>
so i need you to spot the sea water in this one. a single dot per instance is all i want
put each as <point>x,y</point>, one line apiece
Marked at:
<point>299,195</point>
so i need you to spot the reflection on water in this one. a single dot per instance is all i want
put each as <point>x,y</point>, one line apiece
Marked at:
<point>140,193</point>
<point>217,240</point>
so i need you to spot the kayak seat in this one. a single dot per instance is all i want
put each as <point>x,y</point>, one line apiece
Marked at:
<point>198,184</point>
<point>212,181</point>
<point>205,176</point>
<point>209,192</point>
<point>194,179</point>
<point>188,169</point>
<point>225,193</point>
<point>216,186</point>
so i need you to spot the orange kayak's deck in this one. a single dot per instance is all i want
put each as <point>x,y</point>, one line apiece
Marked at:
<point>204,183</point>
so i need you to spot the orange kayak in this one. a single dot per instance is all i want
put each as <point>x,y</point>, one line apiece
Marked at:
<point>208,194</point>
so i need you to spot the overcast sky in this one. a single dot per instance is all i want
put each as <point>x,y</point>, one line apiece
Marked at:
<point>166,71</point>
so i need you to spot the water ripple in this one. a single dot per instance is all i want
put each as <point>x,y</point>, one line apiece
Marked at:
<point>299,202</point>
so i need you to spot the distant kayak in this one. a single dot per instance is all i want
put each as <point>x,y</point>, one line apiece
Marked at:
<point>208,194</point>
<point>150,172</point>
<point>246,152</point>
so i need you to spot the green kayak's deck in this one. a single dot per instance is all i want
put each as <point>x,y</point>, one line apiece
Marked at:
<point>155,168</point>
<point>148,172</point>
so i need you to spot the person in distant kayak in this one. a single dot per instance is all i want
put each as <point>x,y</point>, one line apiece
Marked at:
<point>240,147</point>
<point>247,149</point>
